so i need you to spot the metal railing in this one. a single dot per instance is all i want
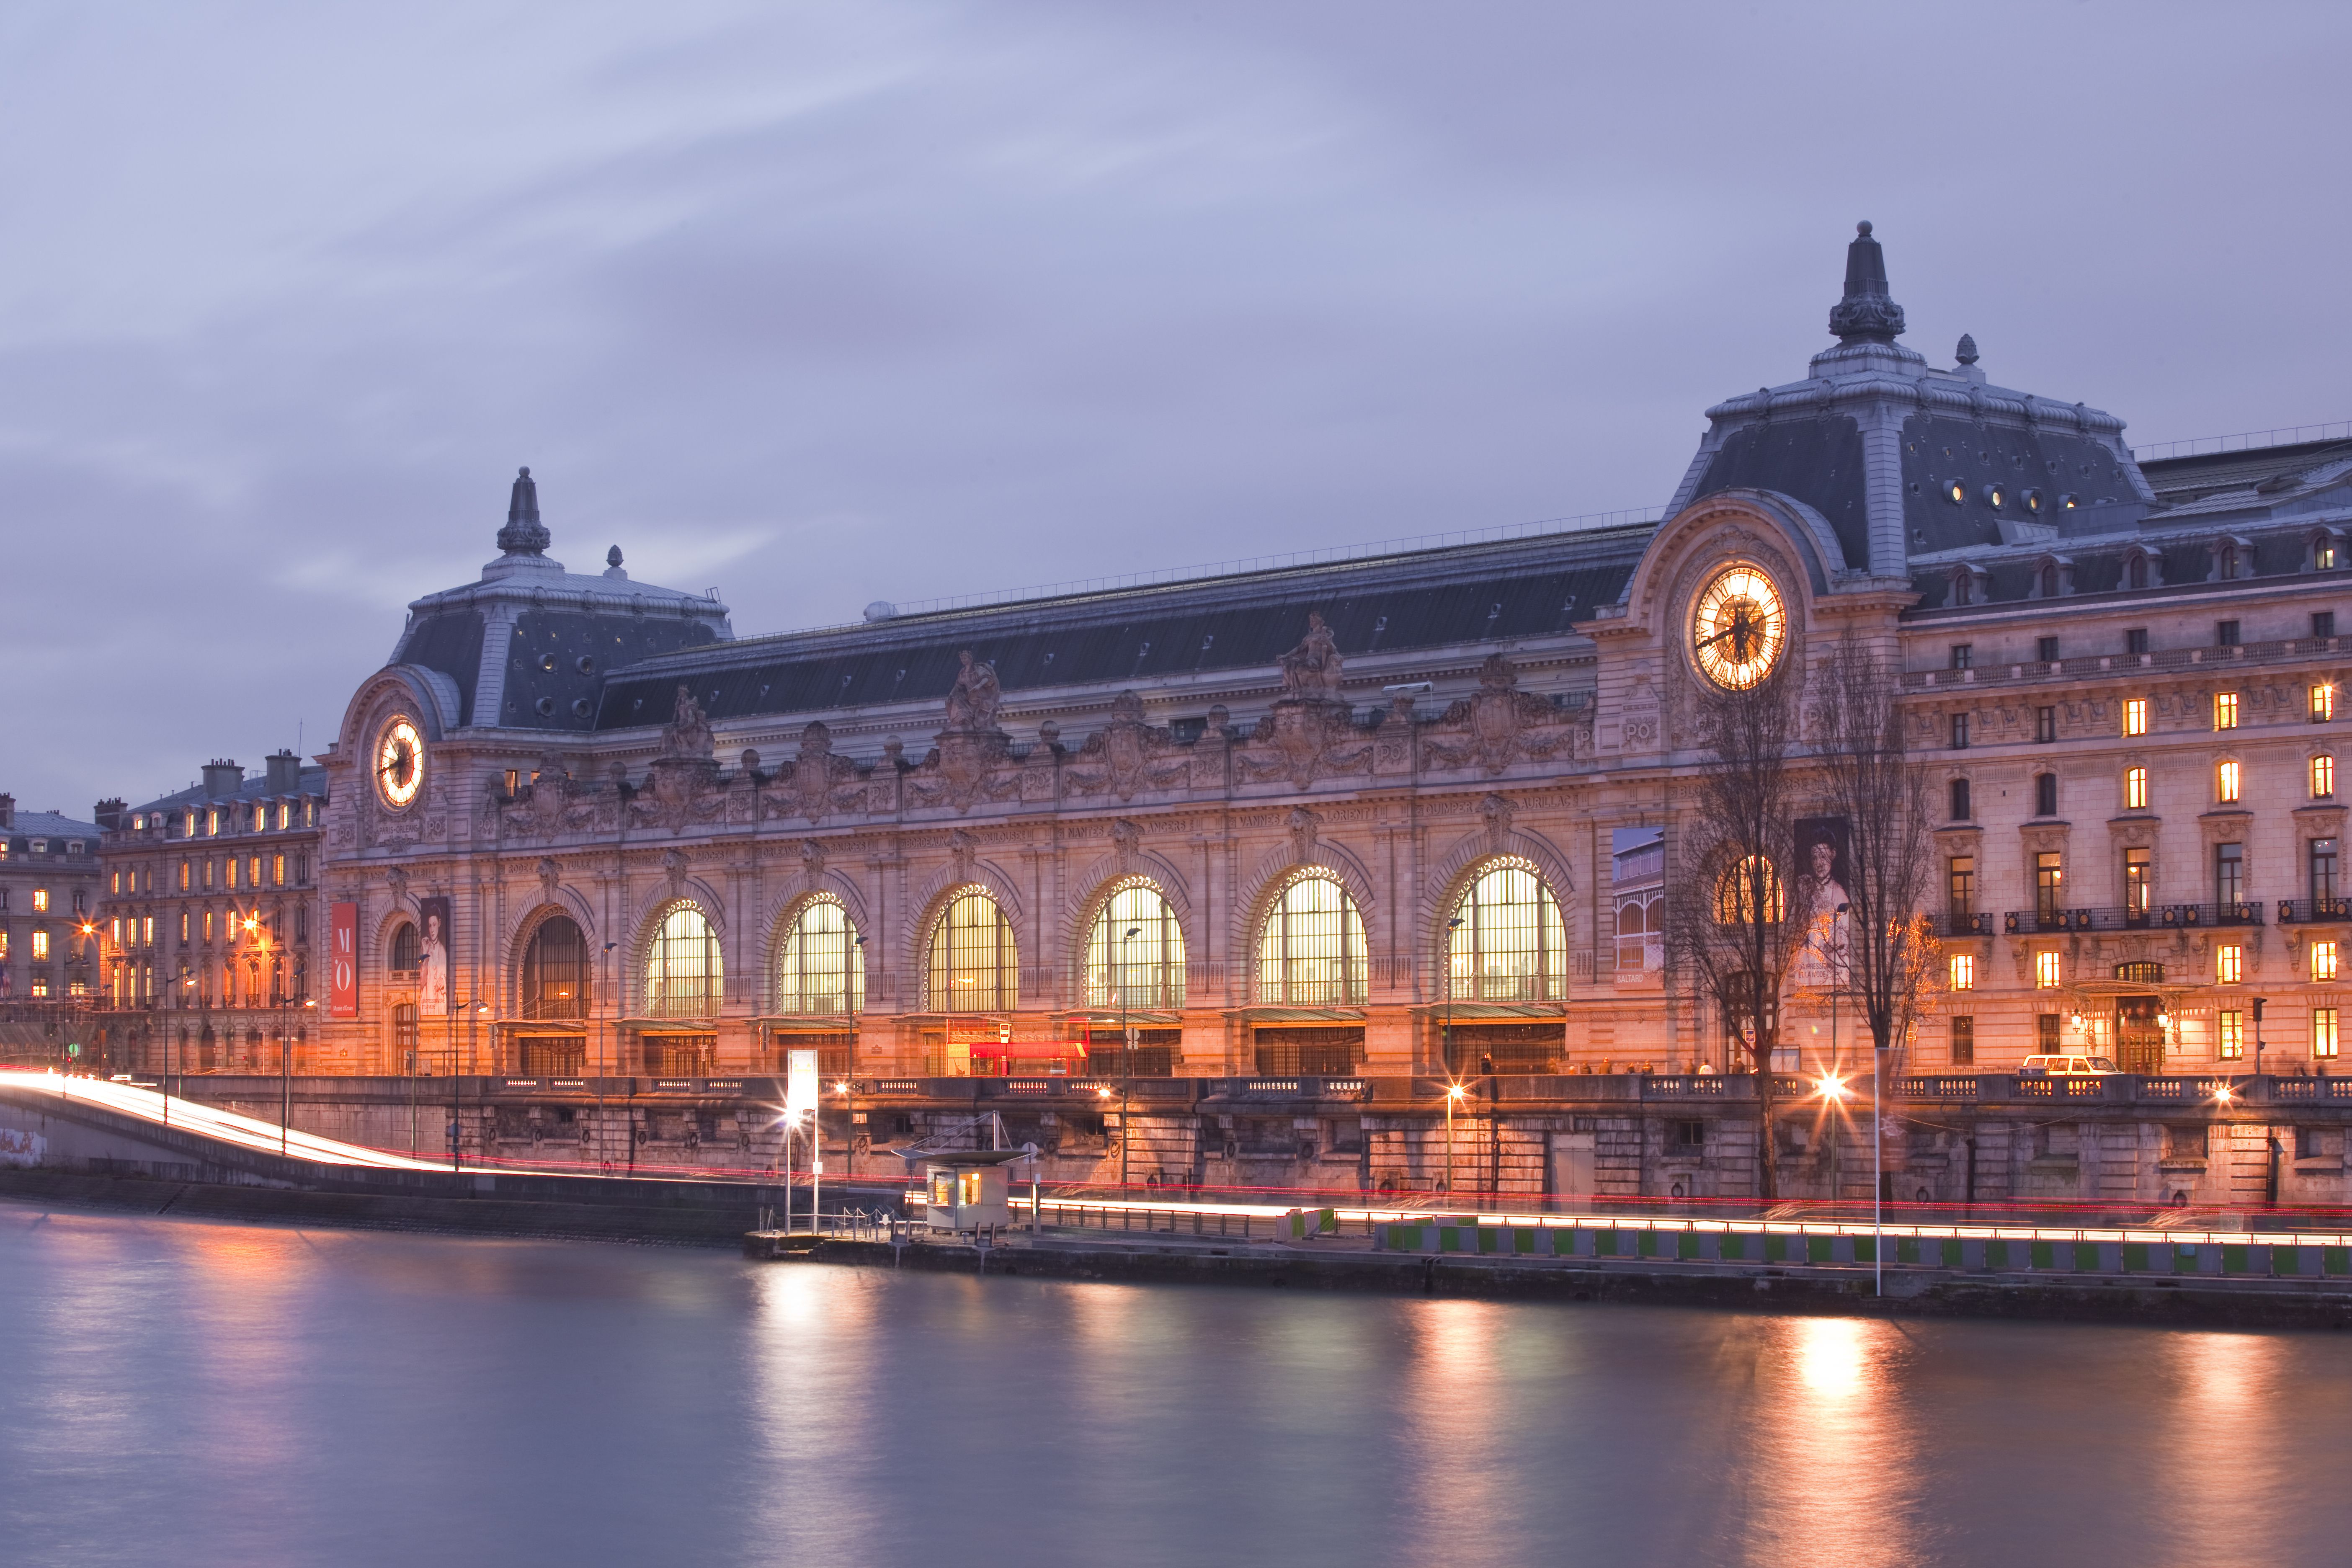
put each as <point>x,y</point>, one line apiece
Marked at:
<point>2294,911</point>
<point>2123,917</point>
<point>2273,651</point>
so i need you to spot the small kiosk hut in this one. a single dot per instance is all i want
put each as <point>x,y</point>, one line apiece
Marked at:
<point>968,1192</point>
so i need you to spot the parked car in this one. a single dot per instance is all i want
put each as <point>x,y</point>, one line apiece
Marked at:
<point>2066,1067</point>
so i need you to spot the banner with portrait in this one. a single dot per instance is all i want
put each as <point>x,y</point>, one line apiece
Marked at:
<point>433,956</point>
<point>1824,873</point>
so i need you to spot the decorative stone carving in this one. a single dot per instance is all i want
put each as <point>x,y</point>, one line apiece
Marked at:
<point>813,860</point>
<point>964,850</point>
<point>966,767</point>
<point>1126,839</point>
<point>1500,725</point>
<point>819,784</point>
<point>550,877</point>
<point>974,699</point>
<point>1496,812</point>
<point>1126,755</point>
<point>1304,829</point>
<point>673,862</point>
<point>1312,668</point>
<point>1302,740</point>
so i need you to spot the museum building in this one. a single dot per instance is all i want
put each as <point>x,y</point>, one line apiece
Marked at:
<point>1386,814</point>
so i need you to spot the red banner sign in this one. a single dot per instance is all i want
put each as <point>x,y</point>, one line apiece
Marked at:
<point>344,962</point>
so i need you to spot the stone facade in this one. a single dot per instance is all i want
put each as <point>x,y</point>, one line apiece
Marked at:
<point>931,844</point>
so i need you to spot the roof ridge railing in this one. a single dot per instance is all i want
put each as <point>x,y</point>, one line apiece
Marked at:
<point>1582,522</point>
<point>2242,441</point>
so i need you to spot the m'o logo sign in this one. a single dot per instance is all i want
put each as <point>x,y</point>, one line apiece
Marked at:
<point>344,962</point>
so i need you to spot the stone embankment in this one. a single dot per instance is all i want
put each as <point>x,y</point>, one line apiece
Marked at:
<point>2322,1300</point>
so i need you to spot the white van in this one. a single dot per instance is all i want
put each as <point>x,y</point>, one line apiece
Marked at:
<point>2066,1067</point>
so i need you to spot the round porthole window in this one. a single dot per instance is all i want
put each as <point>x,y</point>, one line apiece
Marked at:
<point>1995,497</point>
<point>2068,503</point>
<point>2032,501</point>
<point>546,706</point>
<point>582,708</point>
<point>1955,492</point>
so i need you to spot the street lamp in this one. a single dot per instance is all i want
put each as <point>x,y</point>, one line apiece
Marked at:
<point>1445,1035</point>
<point>1127,1029</point>
<point>1452,1098</point>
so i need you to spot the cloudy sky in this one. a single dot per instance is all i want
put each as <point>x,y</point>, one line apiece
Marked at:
<point>819,304</point>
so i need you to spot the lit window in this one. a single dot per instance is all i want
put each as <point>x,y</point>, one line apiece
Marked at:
<point>2225,709</point>
<point>2136,716</point>
<point>2323,960</point>
<point>975,966</point>
<point>1749,893</point>
<point>147,931</point>
<point>253,872</point>
<point>1964,972</point>
<point>2045,970</point>
<point>40,945</point>
<point>212,822</point>
<point>114,931</point>
<point>2323,1031</point>
<point>2323,555</point>
<point>821,969</point>
<point>2231,1042</point>
<point>277,870</point>
<point>682,967</point>
<point>2322,777</point>
<point>260,819</point>
<point>1512,944</point>
<point>1311,950</point>
<point>188,825</point>
<point>2225,784</point>
<point>40,900</point>
<point>2229,964</point>
<point>2323,704</point>
<point>2136,789</point>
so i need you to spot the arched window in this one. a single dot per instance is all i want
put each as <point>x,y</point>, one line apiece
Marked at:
<point>1145,970</point>
<point>2136,573</point>
<point>1312,948</point>
<point>404,947</point>
<point>821,968</point>
<point>555,970</point>
<point>1749,893</point>
<point>683,979</point>
<point>1511,944</point>
<point>975,966</point>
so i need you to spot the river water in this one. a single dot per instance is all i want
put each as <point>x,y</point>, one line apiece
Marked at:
<point>187,1392</point>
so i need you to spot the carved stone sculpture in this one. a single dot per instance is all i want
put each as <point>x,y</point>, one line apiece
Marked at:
<point>1312,668</point>
<point>1499,726</point>
<point>974,699</point>
<point>1127,755</point>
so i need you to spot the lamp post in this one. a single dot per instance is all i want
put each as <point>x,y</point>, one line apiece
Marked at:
<point>1445,1035</point>
<point>1127,1077</point>
<point>1452,1098</point>
<point>602,989</point>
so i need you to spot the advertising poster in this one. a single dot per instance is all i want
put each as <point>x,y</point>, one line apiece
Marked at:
<point>1824,866</point>
<point>343,961</point>
<point>432,955</point>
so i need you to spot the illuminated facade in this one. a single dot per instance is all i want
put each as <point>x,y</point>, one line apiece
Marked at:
<point>1384,815</point>
<point>207,911</point>
<point>48,892</point>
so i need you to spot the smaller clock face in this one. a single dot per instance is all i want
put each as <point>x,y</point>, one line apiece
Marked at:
<point>399,763</point>
<point>1738,626</point>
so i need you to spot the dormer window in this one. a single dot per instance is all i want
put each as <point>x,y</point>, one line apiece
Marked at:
<point>2325,550</point>
<point>1964,588</point>
<point>2054,577</point>
<point>2233,558</point>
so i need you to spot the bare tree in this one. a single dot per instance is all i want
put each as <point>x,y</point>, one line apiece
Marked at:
<point>1890,962</point>
<point>1739,919</point>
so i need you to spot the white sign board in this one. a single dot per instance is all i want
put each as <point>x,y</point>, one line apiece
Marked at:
<point>800,1082</point>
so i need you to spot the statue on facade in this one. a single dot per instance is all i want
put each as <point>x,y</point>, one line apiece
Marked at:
<point>688,732</point>
<point>975,697</point>
<point>1312,668</point>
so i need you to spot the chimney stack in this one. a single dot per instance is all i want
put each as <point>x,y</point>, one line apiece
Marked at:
<point>222,778</point>
<point>285,772</point>
<point>110,815</point>
<point>7,811</point>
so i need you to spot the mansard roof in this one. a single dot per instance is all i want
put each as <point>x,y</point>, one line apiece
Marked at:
<point>1467,596</point>
<point>1874,439</point>
<point>526,646</point>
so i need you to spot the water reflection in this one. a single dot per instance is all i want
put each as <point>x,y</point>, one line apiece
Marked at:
<point>205,1394</point>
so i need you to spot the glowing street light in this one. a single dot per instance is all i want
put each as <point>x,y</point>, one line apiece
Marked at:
<point>1454,1093</point>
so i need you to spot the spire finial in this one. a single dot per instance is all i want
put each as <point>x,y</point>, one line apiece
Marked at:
<point>612,564</point>
<point>1967,352</point>
<point>1867,314</point>
<point>524,534</point>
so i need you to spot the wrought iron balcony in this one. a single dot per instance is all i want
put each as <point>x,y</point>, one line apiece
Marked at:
<point>1964,922</point>
<point>2296,911</point>
<point>2159,917</point>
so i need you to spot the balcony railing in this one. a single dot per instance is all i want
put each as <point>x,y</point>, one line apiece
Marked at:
<point>2296,911</point>
<point>2171,658</point>
<point>2161,916</point>
<point>536,1008</point>
<point>1965,922</point>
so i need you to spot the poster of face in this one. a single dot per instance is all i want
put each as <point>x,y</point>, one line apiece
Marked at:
<point>1826,872</point>
<point>433,955</point>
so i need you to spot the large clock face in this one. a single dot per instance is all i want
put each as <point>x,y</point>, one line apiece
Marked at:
<point>399,763</point>
<point>1738,626</point>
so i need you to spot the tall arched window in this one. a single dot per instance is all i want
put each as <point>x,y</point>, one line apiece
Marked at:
<point>821,968</point>
<point>1312,948</point>
<point>1511,944</point>
<point>975,968</point>
<point>683,978</point>
<point>555,970</point>
<point>404,947</point>
<point>1145,970</point>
